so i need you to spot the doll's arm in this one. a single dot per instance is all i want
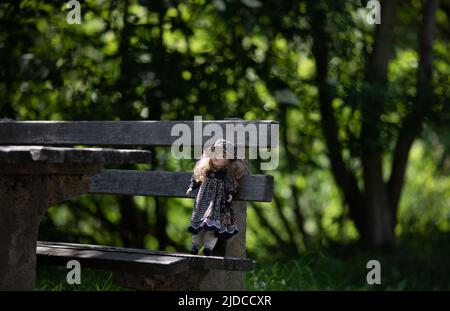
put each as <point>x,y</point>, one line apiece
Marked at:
<point>193,185</point>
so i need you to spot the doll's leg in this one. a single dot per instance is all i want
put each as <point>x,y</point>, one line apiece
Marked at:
<point>210,242</point>
<point>197,241</point>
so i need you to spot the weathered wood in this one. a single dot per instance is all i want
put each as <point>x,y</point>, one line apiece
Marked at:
<point>114,133</point>
<point>172,184</point>
<point>141,263</point>
<point>58,155</point>
<point>192,261</point>
<point>24,200</point>
<point>77,169</point>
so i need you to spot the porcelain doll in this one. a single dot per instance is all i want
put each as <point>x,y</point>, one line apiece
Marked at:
<point>217,176</point>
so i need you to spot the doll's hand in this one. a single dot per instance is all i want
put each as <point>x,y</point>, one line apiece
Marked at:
<point>189,191</point>
<point>230,197</point>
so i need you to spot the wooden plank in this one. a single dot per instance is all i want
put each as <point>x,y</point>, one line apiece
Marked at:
<point>113,133</point>
<point>58,155</point>
<point>98,259</point>
<point>46,169</point>
<point>172,184</point>
<point>193,261</point>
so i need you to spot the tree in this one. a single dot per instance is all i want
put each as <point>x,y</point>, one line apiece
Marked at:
<point>373,207</point>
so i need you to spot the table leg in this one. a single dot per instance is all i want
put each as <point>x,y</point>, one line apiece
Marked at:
<point>24,199</point>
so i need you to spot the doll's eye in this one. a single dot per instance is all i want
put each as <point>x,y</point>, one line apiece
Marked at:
<point>213,148</point>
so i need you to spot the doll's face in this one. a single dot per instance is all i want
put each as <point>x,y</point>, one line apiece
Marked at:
<point>220,163</point>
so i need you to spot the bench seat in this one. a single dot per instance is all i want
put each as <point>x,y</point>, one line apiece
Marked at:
<point>134,260</point>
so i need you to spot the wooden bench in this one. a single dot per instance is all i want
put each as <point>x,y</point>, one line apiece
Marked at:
<point>137,268</point>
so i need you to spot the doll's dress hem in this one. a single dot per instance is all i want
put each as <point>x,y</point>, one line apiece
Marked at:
<point>209,225</point>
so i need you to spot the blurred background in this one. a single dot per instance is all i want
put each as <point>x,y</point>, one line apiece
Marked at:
<point>364,117</point>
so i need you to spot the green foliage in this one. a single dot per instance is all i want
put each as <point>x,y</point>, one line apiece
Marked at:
<point>425,206</point>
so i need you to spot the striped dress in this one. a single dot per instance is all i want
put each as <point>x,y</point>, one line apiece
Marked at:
<point>211,209</point>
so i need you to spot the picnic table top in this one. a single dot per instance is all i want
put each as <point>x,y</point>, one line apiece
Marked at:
<point>59,155</point>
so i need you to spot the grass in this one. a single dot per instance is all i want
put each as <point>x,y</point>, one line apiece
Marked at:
<point>54,279</point>
<point>419,263</point>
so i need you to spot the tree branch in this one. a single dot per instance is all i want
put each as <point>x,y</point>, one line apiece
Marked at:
<point>279,208</point>
<point>413,122</point>
<point>263,220</point>
<point>344,178</point>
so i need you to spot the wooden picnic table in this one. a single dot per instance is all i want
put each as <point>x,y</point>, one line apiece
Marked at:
<point>32,178</point>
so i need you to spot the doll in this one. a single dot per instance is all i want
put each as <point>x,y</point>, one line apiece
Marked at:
<point>217,175</point>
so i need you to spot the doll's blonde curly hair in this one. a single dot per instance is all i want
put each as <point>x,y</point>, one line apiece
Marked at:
<point>236,167</point>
